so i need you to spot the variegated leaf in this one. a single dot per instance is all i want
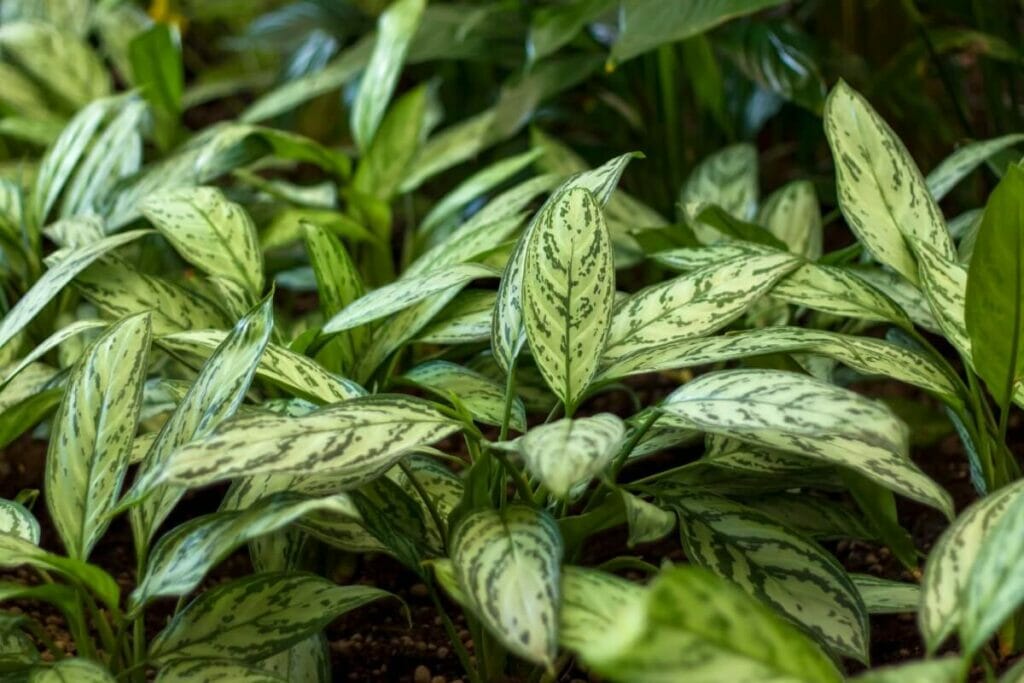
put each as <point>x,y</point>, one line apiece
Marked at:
<point>467,319</point>
<point>210,232</point>
<point>338,284</point>
<point>813,516</point>
<point>727,178</point>
<point>507,566</point>
<point>15,551</point>
<point>691,305</point>
<point>90,446</point>
<point>443,487</point>
<point>647,522</point>
<point>951,564</point>
<point>257,616</point>
<point>395,29</point>
<point>482,397</point>
<point>453,145</point>
<point>401,295</point>
<point>960,163</point>
<point>569,291</point>
<point>801,415</point>
<point>865,354</point>
<point>214,671</point>
<point>62,62</point>
<point>944,670</point>
<point>881,191</point>
<point>883,596</point>
<point>908,297</point>
<point>308,660</point>
<point>54,279</point>
<point>214,395</point>
<point>791,213</point>
<point>773,564</point>
<point>76,670</point>
<point>571,452</point>
<point>994,589</point>
<point>692,625</point>
<point>296,373</point>
<point>119,290</point>
<point>181,558</point>
<point>16,520</point>
<point>353,441</point>
<point>507,333</point>
<point>591,607</point>
<point>53,341</point>
<point>475,186</point>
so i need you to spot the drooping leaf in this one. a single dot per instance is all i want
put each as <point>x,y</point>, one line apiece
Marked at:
<point>297,374</point>
<point>215,394</point>
<point>352,441</point>
<point>48,344</point>
<point>209,231</point>
<point>15,551</point>
<point>507,566</point>
<point>801,415</point>
<point>691,305</point>
<point>865,354</point>
<point>951,563</point>
<point>90,445</point>
<point>482,397</point>
<point>881,191</point>
<point>692,625</point>
<point>775,565</point>
<point>646,24</point>
<point>569,291</point>
<point>256,616</point>
<point>571,452</point>
<point>118,290</point>
<point>395,30</point>
<point>54,279</point>
<point>994,300</point>
<point>647,522</point>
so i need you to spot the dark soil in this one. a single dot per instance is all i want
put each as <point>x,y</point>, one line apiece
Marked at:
<point>375,643</point>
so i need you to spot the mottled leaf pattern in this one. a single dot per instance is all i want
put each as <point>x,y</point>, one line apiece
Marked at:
<point>727,178</point>
<point>354,441</point>
<point>791,213</point>
<point>210,232</point>
<point>794,575</point>
<point>951,564</point>
<point>400,295</point>
<point>77,670</point>
<point>865,354</point>
<point>295,373</point>
<point>881,191</point>
<point>570,452</point>
<point>90,446</point>
<point>51,342</point>
<point>507,566</point>
<point>691,305</point>
<point>54,279</point>
<point>257,616</point>
<point>214,395</point>
<point>507,333</point>
<point>647,522</point>
<point>884,596</point>
<point>960,163</point>
<point>466,319</point>
<point>214,671</point>
<point>944,670</point>
<point>482,397</point>
<point>692,625</point>
<point>801,415</point>
<point>16,520</point>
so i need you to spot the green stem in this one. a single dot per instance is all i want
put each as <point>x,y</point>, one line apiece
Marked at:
<point>510,386</point>
<point>453,635</point>
<point>103,628</point>
<point>522,486</point>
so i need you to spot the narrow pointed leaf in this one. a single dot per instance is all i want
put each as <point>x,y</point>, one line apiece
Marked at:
<point>465,320</point>
<point>507,565</point>
<point>884,596</point>
<point>395,30</point>
<point>90,446</point>
<point>51,342</point>
<point>257,616</point>
<point>214,395</point>
<point>354,441</point>
<point>808,417</point>
<point>963,161</point>
<point>54,279</point>
<point>482,397</point>
<point>691,305</point>
<point>881,191</point>
<point>15,551</point>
